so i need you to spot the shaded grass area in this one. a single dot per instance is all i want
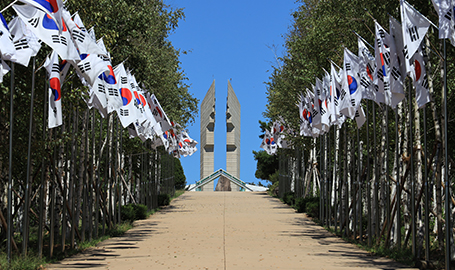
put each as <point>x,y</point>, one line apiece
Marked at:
<point>32,261</point>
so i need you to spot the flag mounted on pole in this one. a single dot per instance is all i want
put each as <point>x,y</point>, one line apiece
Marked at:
<point>52,8</point>
<point>55,93</point>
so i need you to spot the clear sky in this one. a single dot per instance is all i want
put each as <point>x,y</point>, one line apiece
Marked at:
<point>230,40</point>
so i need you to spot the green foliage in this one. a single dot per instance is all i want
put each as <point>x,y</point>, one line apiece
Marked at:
<point>133,212</point>
<point>301,203</point>
<point>266,165</point>
<point>164,199</point>
<point>179,175</point>
<point>312,209</point>
<point>289,198</point>
<point>30,262</point>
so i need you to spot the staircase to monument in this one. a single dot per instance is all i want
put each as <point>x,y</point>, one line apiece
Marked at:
<point>217,174</point>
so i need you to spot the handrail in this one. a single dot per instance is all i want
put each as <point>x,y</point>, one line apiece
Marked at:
<point>218,173</point>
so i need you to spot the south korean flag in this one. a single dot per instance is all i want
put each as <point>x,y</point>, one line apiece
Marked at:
<point>415,27</point>
<point>420,78</point>
<point>445,10</point>
<point>55,93</point>
<point>127,112</point>
<point>4,69</point>
<point>158,113</point>
<point>26,43</point>
<point>84,42</point>
<point>45,28</point>
<point>7,49</point>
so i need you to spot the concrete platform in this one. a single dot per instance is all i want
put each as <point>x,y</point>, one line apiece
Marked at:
<point>226,230</point>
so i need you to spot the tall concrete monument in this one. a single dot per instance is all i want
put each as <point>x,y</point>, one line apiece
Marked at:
<point>232,135</point>
<point>207,141</point>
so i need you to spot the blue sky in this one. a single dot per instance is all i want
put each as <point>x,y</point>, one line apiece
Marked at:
<point>230,40</point>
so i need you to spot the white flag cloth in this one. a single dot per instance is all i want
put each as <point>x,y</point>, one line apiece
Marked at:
<point>350,92</point>
<point>305,116</point>
<point>90,68</point>
<point>126,113</point>
<point>47,31</point>
<point>360,117</point>
<point>7,49</point>
<point>26,43</point>
<point>158,113</point>
<point>52,8</point>
<point>268,144</point>
<point>324,103</point>
<point>82,39</point>
<point>367,66</point>
<point>445,10</point>
<point>55,94</point>
<point>398,68</point>
<point>317,118</point>
<point>4,69</point>
<point>414,27</point>
<point>382,56</point>
<point>420,79</point>
<point>335,88</point>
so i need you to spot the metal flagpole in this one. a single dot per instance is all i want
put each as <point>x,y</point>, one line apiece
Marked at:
<point>427,221</point>
<point>376,176</point>
<point>411,153</point>
<point>446,170</point>
<point>335,178</point>
<point>10,169</point>
<point>398,184</point>
<point>370,239</point>
<point>29,154</point>
<point>43,180</point>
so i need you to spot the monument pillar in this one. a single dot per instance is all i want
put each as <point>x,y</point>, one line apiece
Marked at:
<point>233,135</point>
<point>207,142</point>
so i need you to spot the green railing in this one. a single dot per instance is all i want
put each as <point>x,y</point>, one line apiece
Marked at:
<point>216,174</point>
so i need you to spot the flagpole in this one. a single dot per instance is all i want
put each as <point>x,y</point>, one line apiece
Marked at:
<point>411,160</point>
<point>10,168</point>
<point>366,42</point>
<point>27,184</point>
<point>8,6</point>
<point>370,237</point>
<point>446,162</point>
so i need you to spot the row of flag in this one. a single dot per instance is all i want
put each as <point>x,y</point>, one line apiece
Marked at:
<point>379,76</point>
<point>111,88</point>
<point>275,137</point>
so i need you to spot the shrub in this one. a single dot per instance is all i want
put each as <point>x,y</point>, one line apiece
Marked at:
<point>301,203</point>
<point>312,209</point>
<point>164,199</point>
<point>289,198</point>
<point>133,212</point>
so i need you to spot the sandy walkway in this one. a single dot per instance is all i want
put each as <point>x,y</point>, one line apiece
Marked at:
<point>224,230</point>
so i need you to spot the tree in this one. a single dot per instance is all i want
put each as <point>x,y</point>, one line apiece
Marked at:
<point>179,175</point>
<point>266,166</point>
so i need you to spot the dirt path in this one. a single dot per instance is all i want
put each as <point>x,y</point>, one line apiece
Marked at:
<point>226,230</point>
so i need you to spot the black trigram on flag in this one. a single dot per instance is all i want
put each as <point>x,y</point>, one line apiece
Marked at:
<point>448,15</point>
<point>85,67</point>
<point>21,44</point>
<point>55,68</point>
<point>396,74</point>
<point>112,92</point>
<point>380,75</point>
<point>335,101</point>
<point>300,120</point>
<point>343,93</point>
<point>424,52</point>
<point>34,22</point>
<point>386,86</point>
<point>155,112</point>
<point>379,41</point>
<point>124,112</point>
<point>315,112</point>
<point>101,88</point>
<point>365,82</point>
<point>104,58</point>
<point>78,35</point>
<point>357,114</point>
<point>123,80</point>
<point>381,33</point>
<point>353,102</point>
<point>413,33</point>
<point>322,110</point>
<point>405,52</point>
<point>58,39</point>
<point>348,66</point>
<point>376,87</point>
<point>132,86</point>
<point>425,81</point>
<point>318,91</point>
<point>387,58</point>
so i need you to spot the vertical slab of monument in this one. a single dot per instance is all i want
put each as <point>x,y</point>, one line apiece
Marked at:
<point>207,142</point>
<point>233,135</point>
